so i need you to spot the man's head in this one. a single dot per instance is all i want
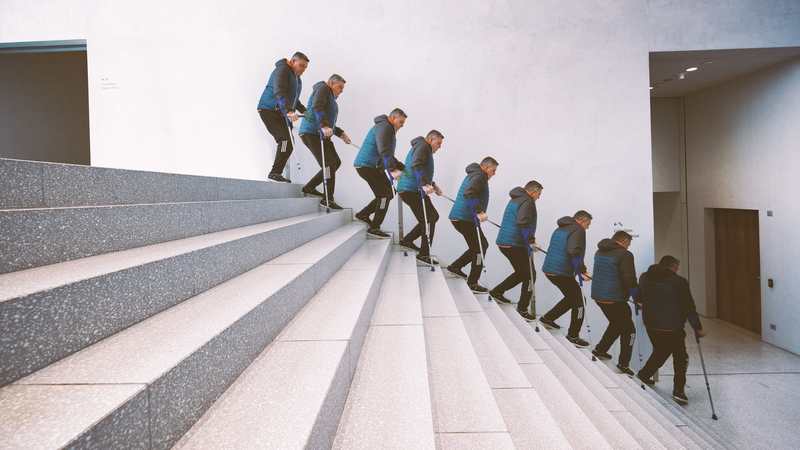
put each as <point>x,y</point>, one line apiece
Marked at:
<point>435,139</point>
<point>670,262</point>
<point>299,63</point>
<point>489,165</point>
<point>398,118</point>
<point>336,82</point>
<point>534,189</point>
<point>622,238</point>
<point>583,218</point>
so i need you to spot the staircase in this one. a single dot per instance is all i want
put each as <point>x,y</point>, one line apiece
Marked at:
<point>156,311</point>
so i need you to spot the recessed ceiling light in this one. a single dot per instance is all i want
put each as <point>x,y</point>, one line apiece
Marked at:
<point>691,69</point>
<point>651,88</point>
<point>681,75</point>
<point>707,63</point>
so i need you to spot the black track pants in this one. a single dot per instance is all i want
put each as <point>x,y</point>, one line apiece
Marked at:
<point>573,300</point>
<point>379,184</point>
<point>666,343</point>
<point>518,257</point>
<point>414,201</point>
<point>332,162</point>
<point>473,254</point>
<point>620,326</point>
<point>276,125</point>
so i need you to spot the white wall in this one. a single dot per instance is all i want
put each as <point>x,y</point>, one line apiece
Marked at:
<point>743,152</point>
<point>557,91</point>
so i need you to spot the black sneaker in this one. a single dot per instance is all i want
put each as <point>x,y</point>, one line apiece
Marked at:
<point>526,315</point>
<point>377,233</point>
<point>408,245</point>
<point>499,297</point>
<point>478,289</point>
<point>601,355</point>
<point>577,341</point>
<point>278,178</point>
<point>364,219</point>
<point>648,381</point>
<point>456,272</point>
<point>311,192</point>
<point>330,204</point>
<point>626,370</point>
<point>680,397</point>
<point>427,260</point>
<point>549,323</point>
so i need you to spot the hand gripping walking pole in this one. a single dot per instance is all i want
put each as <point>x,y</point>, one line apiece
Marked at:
<point>498,226</point>
<point>480,243</point>
<point>294,145</point>
<point>703,363</point>
<point>575,263</point>
<point>324,169</point>
<point>417,174</point>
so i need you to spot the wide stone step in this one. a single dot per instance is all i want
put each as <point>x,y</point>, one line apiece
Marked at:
<point>465,412</point>
<point>146,386</point>
<point>389,404</point>
<point>50,312</point>
<point>528,420</point>
<point>31,184</point>
<point>293,394</point>
<point>39,237</point>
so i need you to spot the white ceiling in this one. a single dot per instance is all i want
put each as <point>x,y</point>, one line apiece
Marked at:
<point>727,65</point>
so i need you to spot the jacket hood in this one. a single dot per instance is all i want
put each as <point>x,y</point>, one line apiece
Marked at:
<point>417,140</point>
<point>566,220</point>
<point>608,244</point>
<point>518,192</point>
<point>474,167</point>
<point>659,271</point>
<point>321,84</point>
<point>281,62</point>
<point>382,118</point>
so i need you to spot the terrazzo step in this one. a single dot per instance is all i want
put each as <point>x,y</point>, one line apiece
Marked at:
<point>708,436</point>
<point>389,404</point>
<point>528,420</point>
<point>50,312</point>
<point>31,184</point>
<point>644,417</point>
<point>292,395</point>
<point>39,237</point>
<point>465,412</point>
<point>145,386</point>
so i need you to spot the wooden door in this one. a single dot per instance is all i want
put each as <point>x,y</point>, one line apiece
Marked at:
<point>738,268</point>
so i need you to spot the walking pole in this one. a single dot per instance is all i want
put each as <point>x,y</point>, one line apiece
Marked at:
<point>575,262</point>
<point>638,344</point>
<point>703,363</point>
<point>533,291</point>
<point>480,243</point>
<point>324,169</point>
<point>294,145</point>
<point>425,216</point>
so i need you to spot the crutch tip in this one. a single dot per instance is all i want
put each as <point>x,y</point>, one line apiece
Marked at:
<point>405,253</point>
<point>594,358</point>
<point>537,329</point>
<point>432,269</point>
<point>714,416</point>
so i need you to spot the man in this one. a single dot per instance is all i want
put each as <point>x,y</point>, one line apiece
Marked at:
<point>277,105</point>
<point>472,200</point>
<point>613,283</point>
<point>420,160</point>
<point>666,304</point>
<point>375,156</point>
<point>565,257</point>
<point>323,100</point>
<point>515,239</point>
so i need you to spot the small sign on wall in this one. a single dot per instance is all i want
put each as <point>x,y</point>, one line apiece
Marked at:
<point>108,85</point>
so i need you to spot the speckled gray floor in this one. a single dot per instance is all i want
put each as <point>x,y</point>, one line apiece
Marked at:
<point>755,388</point>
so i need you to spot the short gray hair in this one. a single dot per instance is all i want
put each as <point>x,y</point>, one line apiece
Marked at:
<point>533,186</point>
<point>433,134</point>
<point>582,215</point>
<point>489,162</point>
<point>397,112</point>
<point>335,78</point>
<point>300,55</point>
<point>622,236</point>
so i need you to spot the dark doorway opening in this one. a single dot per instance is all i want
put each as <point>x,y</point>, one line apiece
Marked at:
<point>738,265</point>
<point>44,112</point>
